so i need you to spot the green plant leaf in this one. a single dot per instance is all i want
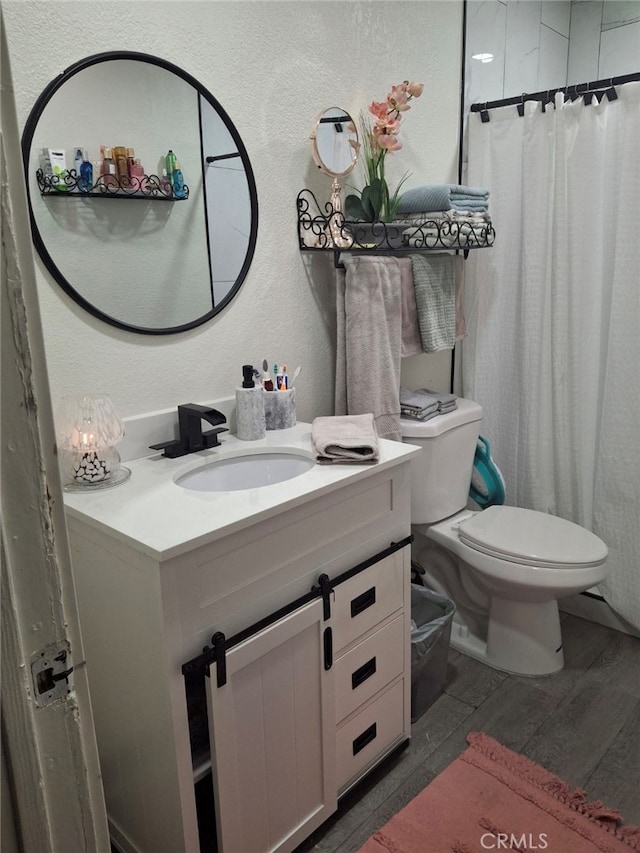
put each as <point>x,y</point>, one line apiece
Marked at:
<point>353,208</point>
<point>394,201</point>
<point>371,197</point>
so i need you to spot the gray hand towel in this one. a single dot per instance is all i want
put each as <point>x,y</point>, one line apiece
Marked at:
<point>420,399</point>
<point>443,398</point>
<point>344,439</point>
<point>433,279</point>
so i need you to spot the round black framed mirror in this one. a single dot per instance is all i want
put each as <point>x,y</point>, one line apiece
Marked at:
<point>142,198</point>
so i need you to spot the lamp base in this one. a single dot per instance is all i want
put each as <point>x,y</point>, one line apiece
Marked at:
<point>116,479</point>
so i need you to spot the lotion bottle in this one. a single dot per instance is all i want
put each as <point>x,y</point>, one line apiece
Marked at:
<point>250,407</point>
<point>178,182</point>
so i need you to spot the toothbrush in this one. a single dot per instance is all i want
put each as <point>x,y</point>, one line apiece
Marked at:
<point>267,381</point>
<point>285,379</point>
<point>278,375</point>
<point>296,373</point>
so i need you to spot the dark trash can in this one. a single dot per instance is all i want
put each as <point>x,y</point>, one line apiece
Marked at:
<point>431,618</point>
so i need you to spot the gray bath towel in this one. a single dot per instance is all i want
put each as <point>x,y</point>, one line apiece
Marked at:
<point>433,279</point>
<point>369,340</point>
<point>345,439</point>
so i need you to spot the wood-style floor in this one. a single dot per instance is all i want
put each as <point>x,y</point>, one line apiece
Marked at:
<point>582,724</point>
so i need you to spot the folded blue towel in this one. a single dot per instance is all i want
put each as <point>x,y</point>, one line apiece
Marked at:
<point>470,204</point>
<point>439,197</point>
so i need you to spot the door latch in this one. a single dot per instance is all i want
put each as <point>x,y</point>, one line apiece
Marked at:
<point>50,670</point>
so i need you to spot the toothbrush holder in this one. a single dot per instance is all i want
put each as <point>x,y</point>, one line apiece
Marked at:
<point>280,409</point>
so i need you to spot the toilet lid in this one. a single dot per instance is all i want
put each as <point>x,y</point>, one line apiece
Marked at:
<point>533,538</point>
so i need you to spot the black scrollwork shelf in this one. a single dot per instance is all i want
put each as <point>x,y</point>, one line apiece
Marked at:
<point>325,229</point>
<point>150,187</point>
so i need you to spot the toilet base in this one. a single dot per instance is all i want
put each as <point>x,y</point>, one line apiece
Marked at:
<point>523,638</point>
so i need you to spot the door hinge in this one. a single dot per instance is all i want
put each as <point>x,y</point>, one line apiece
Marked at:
<point>50,670</point>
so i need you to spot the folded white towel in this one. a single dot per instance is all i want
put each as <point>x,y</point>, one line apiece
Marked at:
<point>350,439</point>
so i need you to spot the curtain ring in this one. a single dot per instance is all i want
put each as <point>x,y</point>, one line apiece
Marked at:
<point>521,105</point>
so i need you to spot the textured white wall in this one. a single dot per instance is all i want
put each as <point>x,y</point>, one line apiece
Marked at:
<point>273,66</point>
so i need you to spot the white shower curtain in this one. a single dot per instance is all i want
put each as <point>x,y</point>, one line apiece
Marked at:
<point>553,317</point>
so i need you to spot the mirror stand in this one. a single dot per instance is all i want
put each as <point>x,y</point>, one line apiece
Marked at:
<point>335,224</point>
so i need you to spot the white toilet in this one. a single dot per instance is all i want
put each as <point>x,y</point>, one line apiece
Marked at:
<point>505,568</point>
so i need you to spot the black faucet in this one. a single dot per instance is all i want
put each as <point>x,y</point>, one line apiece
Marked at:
<point>191,437</point>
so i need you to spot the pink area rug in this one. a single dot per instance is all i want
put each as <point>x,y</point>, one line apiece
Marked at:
<point>491,798</point>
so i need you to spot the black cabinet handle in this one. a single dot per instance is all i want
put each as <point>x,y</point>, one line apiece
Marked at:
<point>366,599</point>
<point>328,648</point>
<point>362,673</point>
<point>365,738</point>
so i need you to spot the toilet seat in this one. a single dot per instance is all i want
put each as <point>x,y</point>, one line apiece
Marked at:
<point>532,538</point>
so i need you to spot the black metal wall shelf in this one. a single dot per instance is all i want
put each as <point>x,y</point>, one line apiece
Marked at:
<point>107,186</point>
<point>326,230</point>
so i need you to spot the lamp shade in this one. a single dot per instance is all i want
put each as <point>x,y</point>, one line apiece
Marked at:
<point>88,429</point>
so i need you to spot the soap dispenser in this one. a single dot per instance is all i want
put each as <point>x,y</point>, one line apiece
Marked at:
<point>250,407</point>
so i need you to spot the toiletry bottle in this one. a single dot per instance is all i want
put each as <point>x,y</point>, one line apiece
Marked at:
<point>170,164</point>
<point>178,182</point>
<point>86,176</point>
<point>122,170</point>
<point>58,161</point>
<point>108,173</point>
<point>131,159</point>
<point>78,160</point>
<point>165,184</point>
<point>250,407</point>
<point>136,175</point>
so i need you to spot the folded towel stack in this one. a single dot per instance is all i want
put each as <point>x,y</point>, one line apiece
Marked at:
<point>345,439</point>
<point>424,404</point>
<point>440,197</point>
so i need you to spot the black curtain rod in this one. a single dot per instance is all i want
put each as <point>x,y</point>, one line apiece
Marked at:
<point>549,94</point>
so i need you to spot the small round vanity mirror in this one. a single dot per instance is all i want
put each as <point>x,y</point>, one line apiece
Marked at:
<point>335,148</point>
<point>334,143</point>
<point>142,197</point>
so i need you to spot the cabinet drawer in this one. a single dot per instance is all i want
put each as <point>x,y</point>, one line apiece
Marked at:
<point>369,733</point>
<point>366,599</point>
<point>365,669</point>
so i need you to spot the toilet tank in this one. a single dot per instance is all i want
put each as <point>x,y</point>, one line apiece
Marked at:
<point>441,474</point>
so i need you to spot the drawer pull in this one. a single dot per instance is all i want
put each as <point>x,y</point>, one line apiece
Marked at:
<point>361,602</point>
<point>362,673</point>
<point>365,738</point>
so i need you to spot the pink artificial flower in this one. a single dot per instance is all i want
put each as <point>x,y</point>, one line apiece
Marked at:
<point>414,90</point>
<point>379,109</point>
<point>398,98</point>
<point>388,142</point>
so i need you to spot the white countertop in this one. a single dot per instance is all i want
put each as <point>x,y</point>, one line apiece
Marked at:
<point>163,520</point>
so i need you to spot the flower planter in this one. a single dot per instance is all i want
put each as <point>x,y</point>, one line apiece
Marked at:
<point>372,235</point>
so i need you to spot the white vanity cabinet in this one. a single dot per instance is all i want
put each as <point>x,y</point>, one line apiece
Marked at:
<point>310,593</point>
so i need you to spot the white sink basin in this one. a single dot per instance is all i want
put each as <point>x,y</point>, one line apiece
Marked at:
<point>251,471</point>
